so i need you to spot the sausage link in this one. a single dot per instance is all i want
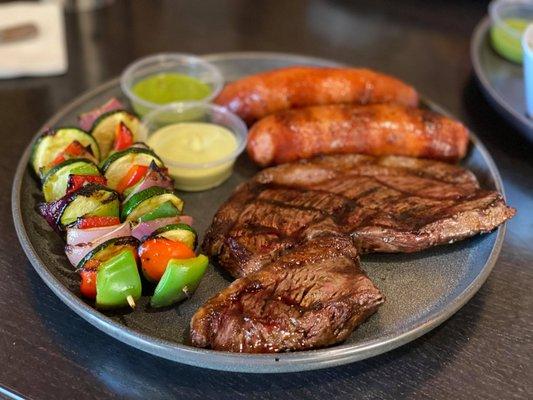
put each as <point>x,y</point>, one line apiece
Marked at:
<point>258,95</point>
<point>377,130</point>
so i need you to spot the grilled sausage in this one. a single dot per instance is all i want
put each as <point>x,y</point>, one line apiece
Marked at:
<point>378,129</point>
<point>258,95</point>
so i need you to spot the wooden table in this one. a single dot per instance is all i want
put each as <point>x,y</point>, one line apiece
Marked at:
<point>484,351</point>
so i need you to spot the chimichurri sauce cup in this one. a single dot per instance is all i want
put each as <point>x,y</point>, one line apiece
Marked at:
<point>167,78</point>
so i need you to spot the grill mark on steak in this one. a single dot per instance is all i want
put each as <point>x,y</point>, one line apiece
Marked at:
<point>303,199</point>
<point>284,218</point>
<point>311,296</point>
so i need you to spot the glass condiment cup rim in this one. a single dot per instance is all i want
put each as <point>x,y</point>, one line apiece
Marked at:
<point>217,82</point>
<point>238,129</point>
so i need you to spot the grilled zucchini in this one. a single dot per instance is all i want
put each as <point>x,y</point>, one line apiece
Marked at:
<point>54,141</point>
<point>103,129</point>
<point>149,200</point>
<point>108,249</point>
<point>179,233</point>
<point>91,200</point>
<point>56,179</point>
<point>118,164</point>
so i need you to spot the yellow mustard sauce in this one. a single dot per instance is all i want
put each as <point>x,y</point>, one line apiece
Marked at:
<point>195,144</point>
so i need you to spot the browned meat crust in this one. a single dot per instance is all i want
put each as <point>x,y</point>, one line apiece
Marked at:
<point>291,234</point>
<point>312,296</point>
<point>256,96</point>
<point>387,204</point>
<point>378,130</point>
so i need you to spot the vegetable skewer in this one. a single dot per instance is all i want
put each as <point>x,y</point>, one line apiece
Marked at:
<point>103,249</point>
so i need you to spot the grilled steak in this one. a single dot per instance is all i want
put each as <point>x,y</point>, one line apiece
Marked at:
<point>387,204</point>
<point>292,233</point>
<point>311,296</point>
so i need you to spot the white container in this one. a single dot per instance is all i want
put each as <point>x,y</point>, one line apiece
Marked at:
<point>527,47</point>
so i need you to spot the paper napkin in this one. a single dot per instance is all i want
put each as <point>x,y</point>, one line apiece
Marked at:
<point>43,55</point>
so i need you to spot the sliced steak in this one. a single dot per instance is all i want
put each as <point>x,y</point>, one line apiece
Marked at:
<point>386,204</point>
<point>311,296</point>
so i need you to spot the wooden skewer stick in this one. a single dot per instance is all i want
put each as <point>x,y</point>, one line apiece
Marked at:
<point>130,301</point>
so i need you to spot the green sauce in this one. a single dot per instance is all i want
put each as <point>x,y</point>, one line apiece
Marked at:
<point>171,87</point>
<point>506,44</point>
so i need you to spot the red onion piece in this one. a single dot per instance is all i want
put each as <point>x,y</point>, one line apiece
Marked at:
<point>77,252</point>
<point>186,219</point>
<point>82,241</point>
<point>86,120</point>
<point>76,236</point>
<point>144,229</point>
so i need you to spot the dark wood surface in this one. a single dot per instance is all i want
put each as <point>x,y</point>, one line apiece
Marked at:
<point>484,351</point>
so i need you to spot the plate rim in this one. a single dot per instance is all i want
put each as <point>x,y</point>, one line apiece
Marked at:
<point>236,362</point>
<point>519,121</point>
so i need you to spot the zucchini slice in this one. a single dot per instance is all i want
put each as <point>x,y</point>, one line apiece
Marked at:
<point>148,200</point>
<point>108,249</point>
<point>52,142</point>
<point>90,200</point>
<point>56,180</point>
<point>178,233</point>
<point>103,129</point>
<point>101,202</point>
<point>164,210</point>
<point>118,164</point>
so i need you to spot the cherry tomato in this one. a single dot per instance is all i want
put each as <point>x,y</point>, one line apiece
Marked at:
<point>157,252</point>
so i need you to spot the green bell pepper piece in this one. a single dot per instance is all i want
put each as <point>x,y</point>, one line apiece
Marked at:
<point>180,280</point>
<point>165,210</point>
<point>118,282</point>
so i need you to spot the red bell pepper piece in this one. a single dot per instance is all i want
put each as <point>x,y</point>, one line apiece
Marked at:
<point>123,137</point>
<point>75,149</point>
<point>134,175</point>
<point>96,222</point>
<point>76,182</point>
<point>88,280</point>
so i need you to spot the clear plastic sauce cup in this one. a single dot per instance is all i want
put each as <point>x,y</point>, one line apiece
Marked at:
<point>208,139</point>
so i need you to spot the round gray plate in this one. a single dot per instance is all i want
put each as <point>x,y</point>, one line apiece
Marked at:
<point>422,289</point>
<point>502,81</point>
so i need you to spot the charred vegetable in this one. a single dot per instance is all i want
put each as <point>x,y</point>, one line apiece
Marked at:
<point>55,182</point>
<point>155,201</point>
<point>117,165</point>
<point>90,200</point>
<point>155,253</point>
<point>104,129</point>
<point>180,280</point>
<point>109,274</point>
<point>51,146</point>
<point>76,182</point>
<point>178,233</point>
<point>86,120</point>
<point>141,177</point>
